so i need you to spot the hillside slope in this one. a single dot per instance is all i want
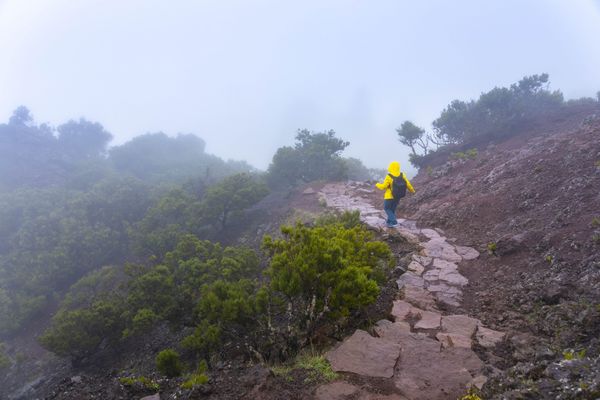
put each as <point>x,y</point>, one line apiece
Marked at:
<point>531,204</point>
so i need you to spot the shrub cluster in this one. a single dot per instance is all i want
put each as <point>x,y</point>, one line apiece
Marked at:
<point>315,275</point>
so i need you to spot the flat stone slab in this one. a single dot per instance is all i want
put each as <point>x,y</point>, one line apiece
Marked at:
<point>453,340</point>
<point>453,278</point>
<point>409,224</point>
<point>467,253</point>
<point>424,261</point>
<point>339,390</point>
<point>419,297</point>
<point>430,233</point>
<point>425,372</point>
<point>401,310</point>
<point>449,299</point>
<point>409,236</point>
<point>391,331</point>
<point>432,275</point>
<point>487,337</point>
<point>366,355</point>
<point>479,381</point>
<point>444,288</point>
<point>410,279</point>
<point>428,320</point>
<point>460,325</point>
<point>439,248</point>
<point>416,268</point>
<point>444,265</point>
<point>373,221</point>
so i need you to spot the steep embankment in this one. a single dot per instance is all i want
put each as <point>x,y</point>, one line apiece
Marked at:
<point>531,206</point>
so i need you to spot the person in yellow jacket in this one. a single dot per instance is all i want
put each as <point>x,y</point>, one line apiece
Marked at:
<point>389,202</point>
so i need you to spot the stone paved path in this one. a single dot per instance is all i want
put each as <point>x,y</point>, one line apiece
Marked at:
<point>425,353</point>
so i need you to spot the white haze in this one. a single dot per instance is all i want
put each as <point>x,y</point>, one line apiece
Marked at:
<point>245,75</point>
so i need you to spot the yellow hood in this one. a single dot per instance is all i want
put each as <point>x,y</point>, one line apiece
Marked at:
<point>394,168</point>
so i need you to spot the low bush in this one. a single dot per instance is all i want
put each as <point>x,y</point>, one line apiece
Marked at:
<point>168,363</point>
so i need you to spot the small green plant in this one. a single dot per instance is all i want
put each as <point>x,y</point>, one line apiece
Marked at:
<point>595,222</point>
<point>597,163</point>
<point>549,259</point>
<point>168,363</point>
<point>349,219</point>
<point>429,170</point>
<point>198,378</point>
<point>194,380</point>
<point>459,155</point>
<point>492,247</point>
<point>319,369</point>
<point>283,371</point>
<point>596,238</point>
<point>572,355</point>
<point>470,154</point>
<point>142,381</point>
<point>316,365</point>
<point>471,396</point>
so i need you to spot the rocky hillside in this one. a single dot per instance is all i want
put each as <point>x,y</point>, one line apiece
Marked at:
<point>531,206</point>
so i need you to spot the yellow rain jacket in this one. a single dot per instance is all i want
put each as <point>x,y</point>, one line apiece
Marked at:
<point>394,170</point>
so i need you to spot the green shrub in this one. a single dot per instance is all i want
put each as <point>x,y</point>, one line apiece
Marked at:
<point>318,367</point>
<point>198,378</point>
<point>327,270</point>
<point>141,381</point>
<point>497,113</point>
<point>349,219</point>
<point>467,155</point>
<point>226,307</point>
<point>227,200</point>
<point>76,333</point>
<point>472,153</point>
<point>194,380</point>
<point>573,355</point>
<point>492,247</point>
<point>142,321</point>
<point>168,363</point>
<point>595,222</point>
<point>315,156</point>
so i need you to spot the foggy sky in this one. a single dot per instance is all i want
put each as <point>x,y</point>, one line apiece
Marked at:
<point>245,75</point>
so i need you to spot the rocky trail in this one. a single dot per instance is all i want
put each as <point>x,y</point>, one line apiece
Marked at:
<point>426,350</point>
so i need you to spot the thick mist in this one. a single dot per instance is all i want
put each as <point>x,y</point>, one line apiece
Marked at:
<point>246,76</point>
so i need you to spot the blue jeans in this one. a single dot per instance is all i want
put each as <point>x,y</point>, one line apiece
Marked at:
<point>389,206</point>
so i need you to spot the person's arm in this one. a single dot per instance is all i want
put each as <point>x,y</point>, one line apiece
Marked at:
<point>386,183</point>
<point>408,184</point>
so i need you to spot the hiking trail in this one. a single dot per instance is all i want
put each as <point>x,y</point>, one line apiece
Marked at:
<point>421,352</point>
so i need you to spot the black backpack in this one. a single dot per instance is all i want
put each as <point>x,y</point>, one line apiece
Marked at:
<point>398,186</point>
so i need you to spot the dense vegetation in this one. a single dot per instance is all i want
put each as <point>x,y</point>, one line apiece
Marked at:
<point>313,275</point>
<point>501,112</point>
<point>118,241</point>
<point>69,206</point>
